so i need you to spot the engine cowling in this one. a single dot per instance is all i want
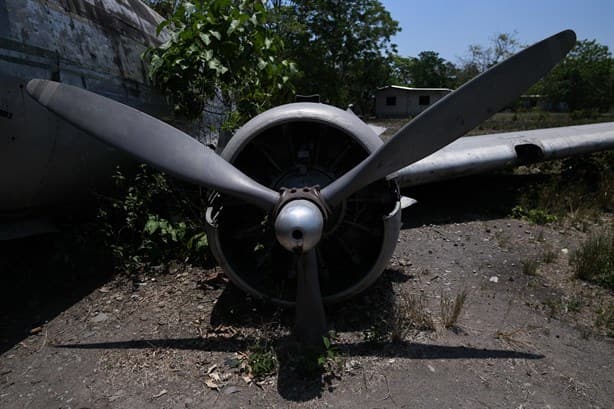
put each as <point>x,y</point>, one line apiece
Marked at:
<point>294,146</point>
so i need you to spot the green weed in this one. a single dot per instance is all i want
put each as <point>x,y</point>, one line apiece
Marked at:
<point>529,267</point>
<point>150,219</point>
<point>594,260</point>
<point>262,360</point>
<point>537,216</point>
<point>549,256</point>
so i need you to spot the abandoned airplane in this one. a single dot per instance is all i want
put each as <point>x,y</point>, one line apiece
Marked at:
<point>308,209</point>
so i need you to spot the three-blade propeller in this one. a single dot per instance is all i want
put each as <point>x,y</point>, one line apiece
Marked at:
<point>171,150</point>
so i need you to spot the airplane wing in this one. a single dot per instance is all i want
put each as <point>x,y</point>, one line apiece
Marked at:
<point>478,154</point>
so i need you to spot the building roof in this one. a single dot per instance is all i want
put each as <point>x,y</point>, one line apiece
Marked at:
<point>415,89</point>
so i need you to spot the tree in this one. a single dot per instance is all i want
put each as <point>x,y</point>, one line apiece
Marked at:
<point>343,48</point>
<point>223,49</point>
<point>583,80</point>
<point>401,70</point>
<point>430,70</point>
<point>480,58</point>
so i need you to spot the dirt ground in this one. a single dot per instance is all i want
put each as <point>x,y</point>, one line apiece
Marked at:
<point>177,340</point>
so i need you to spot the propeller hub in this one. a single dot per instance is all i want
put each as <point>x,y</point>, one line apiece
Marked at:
<point>299,225</point>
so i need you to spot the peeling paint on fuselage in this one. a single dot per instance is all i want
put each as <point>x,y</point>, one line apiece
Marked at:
<point>93,44</point>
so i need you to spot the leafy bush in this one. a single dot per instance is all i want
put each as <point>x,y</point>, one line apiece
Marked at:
<point>537,216</point>
<point>150,219</point>
<point>221,49</point>
<point>262,361</point>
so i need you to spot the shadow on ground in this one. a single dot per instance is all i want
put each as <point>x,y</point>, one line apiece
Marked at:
<point>481,197</point>
<point>38,282</point>
<point>299,377</point>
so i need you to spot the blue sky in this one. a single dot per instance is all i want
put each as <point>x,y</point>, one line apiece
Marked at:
<point>448,27</point>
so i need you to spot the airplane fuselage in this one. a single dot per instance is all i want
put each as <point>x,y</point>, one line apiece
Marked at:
<point>93,44</point>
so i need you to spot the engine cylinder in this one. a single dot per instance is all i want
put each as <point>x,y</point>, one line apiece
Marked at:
<point>293,146</point>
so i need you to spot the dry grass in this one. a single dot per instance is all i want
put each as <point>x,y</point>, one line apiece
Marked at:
<point>409,313</point>
<point>451,308</point>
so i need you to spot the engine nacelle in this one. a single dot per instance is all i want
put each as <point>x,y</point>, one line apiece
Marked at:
<point>294,146</point>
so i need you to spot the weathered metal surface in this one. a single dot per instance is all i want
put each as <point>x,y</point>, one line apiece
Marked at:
<point>94,44</point>
<point>479,154</point>
<point>297,145</point>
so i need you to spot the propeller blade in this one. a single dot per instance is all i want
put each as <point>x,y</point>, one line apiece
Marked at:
<point>149,140</point>
<point>310,318</point>
<point>456,114</point>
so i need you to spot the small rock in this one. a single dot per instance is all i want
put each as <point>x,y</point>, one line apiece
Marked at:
<point>564,251</point>
<point>231,389</point>
<point>162,393</point>
<point>494,279</point>
<point>101,317</point>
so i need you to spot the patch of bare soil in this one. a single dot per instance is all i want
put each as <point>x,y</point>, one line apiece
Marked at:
<point>524,339</point>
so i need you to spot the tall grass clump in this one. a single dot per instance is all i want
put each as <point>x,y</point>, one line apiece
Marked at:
<point>594,260</point>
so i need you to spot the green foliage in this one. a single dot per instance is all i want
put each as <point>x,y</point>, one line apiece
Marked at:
<point>343,47</point>
<point>328,360</point>
<point>575,189</point>
<point>262,361</point>
<point>529,267</point>
<point>221,49</point>
<point>537,216</point>
<point>594,260</point>
<point>150,219</point>
<point>583,80</point>
<point>427,70</point>
<point>562,305</point>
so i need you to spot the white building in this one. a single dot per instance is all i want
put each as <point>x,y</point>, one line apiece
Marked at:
<point>395,101</point>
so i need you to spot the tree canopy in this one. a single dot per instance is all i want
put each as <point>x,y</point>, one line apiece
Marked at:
<point>479,57</point>
<point>224,49</point>
<point>252,52</point>
<point>583,80</point>
<point>428,70</point>
<point>343,48</point>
